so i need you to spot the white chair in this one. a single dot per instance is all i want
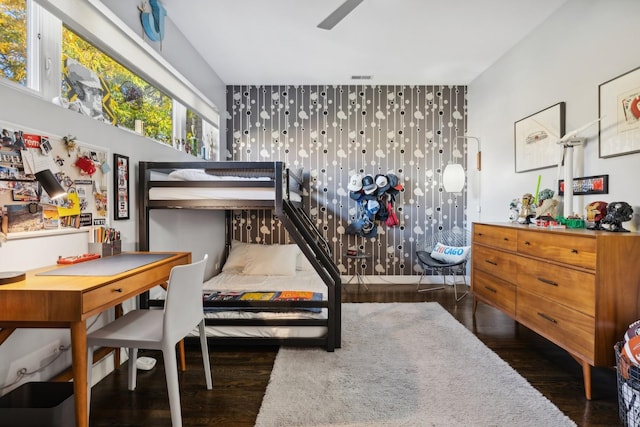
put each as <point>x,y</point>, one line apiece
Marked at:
<point>161,330</point>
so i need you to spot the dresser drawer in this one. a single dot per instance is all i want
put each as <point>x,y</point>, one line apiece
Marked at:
<point>573,288</point>
<point>566,249</point>
<point>572,330</point>
<point>494,291</point>
<point>498,263</point>
<point>499,237</point>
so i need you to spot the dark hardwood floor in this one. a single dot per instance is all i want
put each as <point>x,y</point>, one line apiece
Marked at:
<point>241,374</point>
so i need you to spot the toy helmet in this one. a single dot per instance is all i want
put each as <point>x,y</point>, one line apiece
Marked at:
<point>620,211</point>
<point>596,211</point>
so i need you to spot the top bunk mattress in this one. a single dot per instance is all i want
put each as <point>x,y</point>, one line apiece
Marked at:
<point>231,192</point>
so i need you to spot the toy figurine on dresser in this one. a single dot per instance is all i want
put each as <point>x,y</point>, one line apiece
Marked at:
<point>547,205</point>
<point>617,213</point>
<point>527,210</point>
<point>596,211</point>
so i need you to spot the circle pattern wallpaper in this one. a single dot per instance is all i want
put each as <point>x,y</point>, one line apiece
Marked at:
<point>335,132</point>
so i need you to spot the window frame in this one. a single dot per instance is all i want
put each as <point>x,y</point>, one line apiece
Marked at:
<point>44,38</point>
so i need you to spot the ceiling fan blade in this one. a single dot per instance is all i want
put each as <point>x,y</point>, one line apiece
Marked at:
<point>338,15</point>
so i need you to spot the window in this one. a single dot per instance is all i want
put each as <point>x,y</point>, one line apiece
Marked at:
<point>93,82</point>
<point>13,40</point>
<point>193,134</point>
<point>96,85</point>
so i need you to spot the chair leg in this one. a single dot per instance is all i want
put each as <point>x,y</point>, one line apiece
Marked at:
<point>133,369</point>
<point>173,387</point>
<point>455,287</point>
<point>205,355</point>
<point>183,359</point>
<point>437,288</point>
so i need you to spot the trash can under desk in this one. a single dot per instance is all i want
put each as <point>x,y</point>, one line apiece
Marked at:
<point>39,404</point>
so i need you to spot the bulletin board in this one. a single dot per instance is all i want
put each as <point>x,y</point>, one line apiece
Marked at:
<point>81,168</point>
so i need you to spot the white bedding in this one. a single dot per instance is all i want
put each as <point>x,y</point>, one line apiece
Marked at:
<point>213,193</point>
<point>235,281</point>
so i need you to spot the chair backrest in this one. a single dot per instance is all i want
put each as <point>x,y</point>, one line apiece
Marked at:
<point>183,304</point>
<point>454,237</point>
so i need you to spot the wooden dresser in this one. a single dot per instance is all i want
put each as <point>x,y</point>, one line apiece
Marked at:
<point>577,288</point>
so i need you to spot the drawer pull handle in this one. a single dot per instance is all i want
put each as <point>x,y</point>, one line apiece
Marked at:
<point>118,290</point>
<point>490,262</point>
<point>547,281</point>
<point>490,289</point>
<point>506,239</point>
<point>574,251</point>
<point>549,318</point>
<point>527,243</point>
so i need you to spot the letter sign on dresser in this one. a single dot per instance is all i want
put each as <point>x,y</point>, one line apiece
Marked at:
<point>578,288</point>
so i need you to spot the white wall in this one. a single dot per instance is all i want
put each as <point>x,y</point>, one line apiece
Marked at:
<point>24,109</point>
<point>176,49</point>
<point>585,43</point>
<point>23,254</point>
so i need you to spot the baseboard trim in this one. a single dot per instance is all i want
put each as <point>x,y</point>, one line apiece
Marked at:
<point>404,280</point>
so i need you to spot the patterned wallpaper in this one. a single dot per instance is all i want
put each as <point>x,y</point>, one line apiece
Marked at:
<point>334,132</point>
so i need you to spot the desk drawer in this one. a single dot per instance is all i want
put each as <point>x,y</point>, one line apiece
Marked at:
<point>570,329</point>
<point>567,286</point>
<point>566,249</point>
<point>110,294</point>
<point>497,263</point>
<point>494,291</point>
<point>499,237</point>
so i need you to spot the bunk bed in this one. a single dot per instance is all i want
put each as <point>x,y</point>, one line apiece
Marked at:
<point>299,309</point>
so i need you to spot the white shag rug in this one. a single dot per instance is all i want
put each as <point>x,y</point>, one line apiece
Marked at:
<point>401,364</point>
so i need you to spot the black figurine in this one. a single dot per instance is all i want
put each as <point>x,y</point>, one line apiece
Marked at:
<point>617,213</point>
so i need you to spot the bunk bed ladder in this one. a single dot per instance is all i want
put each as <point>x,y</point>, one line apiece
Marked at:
<point>309,238</point>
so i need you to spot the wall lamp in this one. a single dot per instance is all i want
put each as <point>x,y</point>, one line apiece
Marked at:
<point>479,154</point>
<point>453,176</point>
<point>47,179</point>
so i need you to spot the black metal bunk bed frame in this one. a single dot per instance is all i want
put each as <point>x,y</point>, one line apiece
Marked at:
<point>292,214</point>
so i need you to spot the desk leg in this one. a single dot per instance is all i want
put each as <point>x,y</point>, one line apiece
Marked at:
<point>5,333</point>
<point>118,312</point>
<point>79,365</point>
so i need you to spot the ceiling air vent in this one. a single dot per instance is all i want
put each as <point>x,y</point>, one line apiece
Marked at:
<point>361,77</point>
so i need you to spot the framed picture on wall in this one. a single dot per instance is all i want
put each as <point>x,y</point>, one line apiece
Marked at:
<point>619,110</point>
<point>121,187</point>
<point>536,138</point>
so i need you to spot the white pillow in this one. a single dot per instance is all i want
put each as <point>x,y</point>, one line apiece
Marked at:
<point>190,175</point>
<point>450,254</point>
<point>271,260</point>
<point>237,256</point>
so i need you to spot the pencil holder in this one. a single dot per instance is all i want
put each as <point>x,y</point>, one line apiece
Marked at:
<point>106,249</point>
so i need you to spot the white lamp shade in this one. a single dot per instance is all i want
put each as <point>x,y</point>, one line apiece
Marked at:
<point>453,178</point>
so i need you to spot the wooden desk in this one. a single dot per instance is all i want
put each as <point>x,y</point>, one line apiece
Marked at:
<point>68,301</point>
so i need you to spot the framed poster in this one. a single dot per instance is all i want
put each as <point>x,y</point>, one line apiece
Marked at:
<point>536,138</point>
<point>619,108</point>
<point>121,187</point>
<point>598,184</point>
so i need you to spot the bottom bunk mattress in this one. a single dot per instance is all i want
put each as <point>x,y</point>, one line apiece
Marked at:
<point>233,284</point>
